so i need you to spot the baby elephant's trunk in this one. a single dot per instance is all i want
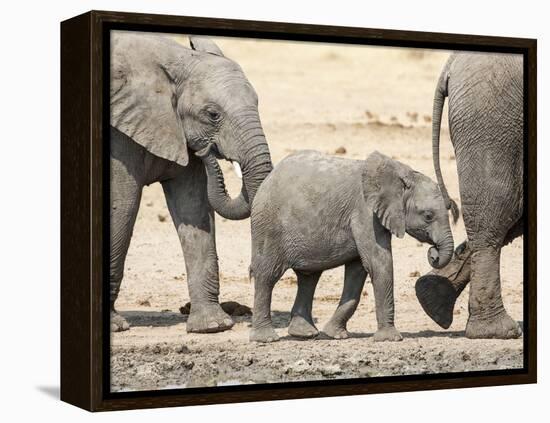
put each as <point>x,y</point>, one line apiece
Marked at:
<point>441,253</point>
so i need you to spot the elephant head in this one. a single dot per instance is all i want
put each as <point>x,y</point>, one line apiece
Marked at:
<point>171,99</point>
<point>408,201</point>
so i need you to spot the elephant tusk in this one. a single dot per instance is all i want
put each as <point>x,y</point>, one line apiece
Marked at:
<point>237,169</point>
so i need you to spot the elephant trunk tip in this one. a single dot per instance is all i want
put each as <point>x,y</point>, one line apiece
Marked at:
<point>437,259</point>
<point>433,257</point>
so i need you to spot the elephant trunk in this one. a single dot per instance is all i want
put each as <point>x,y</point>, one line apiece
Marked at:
<point>230,208</point>
<point>255,164</point>
<point>441,253</point>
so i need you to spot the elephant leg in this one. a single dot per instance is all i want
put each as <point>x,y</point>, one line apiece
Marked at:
<point>384,300</point>
<point>194,220</point>
<point>125,198</point>
<point>301,323</point>
<point>376,257</point>
<point>264,276</point>
<point>488,318</point>
<point>354,280</point>
<point>438,290</point>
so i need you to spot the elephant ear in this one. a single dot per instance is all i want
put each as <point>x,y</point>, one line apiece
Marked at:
<point>204,44</point>
<point>384,184</point>
<point>143,97</point>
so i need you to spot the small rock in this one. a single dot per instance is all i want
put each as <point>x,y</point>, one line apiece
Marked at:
<point>414,274</point>
<point>144,303</point>
<point>233,308</point>
<point>340,150</point>
<point>183,350</point>
<point>413,116</point>
<point>299,366</point>
<point>331,370</point>
<point>161,217</point>
<point>466,356</point>
<point>149,204</point>
<point>187,364</point>
<point>427,118</point>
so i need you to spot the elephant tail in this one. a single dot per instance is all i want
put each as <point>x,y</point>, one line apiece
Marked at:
<point>441,93</point>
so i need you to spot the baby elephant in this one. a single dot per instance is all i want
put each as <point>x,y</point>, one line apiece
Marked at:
<point>315,212</point>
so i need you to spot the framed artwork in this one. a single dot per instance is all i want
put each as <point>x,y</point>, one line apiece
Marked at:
<point>258,210</point>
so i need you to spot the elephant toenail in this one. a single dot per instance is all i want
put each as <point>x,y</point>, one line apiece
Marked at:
<point>227,321</point>
<point>213,325</point>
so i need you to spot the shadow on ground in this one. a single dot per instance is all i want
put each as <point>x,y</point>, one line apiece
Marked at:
<point>50,391</point>
<point>153,318</point>
<point>406,335</point>
<point>281,320</point>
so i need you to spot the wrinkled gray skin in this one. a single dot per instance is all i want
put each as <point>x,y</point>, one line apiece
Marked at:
<point>166,99</point>
<point>316,212</point>
<point>485,94</point>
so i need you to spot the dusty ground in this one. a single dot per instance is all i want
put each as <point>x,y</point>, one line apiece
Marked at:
<point>323,97</point>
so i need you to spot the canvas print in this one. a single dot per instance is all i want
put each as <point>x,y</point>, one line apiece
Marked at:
<point>296,211</point>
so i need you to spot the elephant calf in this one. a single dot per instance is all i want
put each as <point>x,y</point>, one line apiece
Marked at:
<point>315,212</point>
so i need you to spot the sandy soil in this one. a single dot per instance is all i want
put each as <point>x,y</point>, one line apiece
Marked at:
<point>312,96</point>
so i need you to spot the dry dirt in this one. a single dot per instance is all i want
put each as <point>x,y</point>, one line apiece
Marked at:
<point>323,97</point>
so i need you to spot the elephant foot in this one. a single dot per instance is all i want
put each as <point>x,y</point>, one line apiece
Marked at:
<point>437,296</point>
<point>232,308</point>
<point>502,326</point>
<point>118,323</point>
<point>438,290</point>
<point>265,334</point>
<point>207,319</point>
<point>336,331</point>
<point>301,328</point>
<point>389,333</point>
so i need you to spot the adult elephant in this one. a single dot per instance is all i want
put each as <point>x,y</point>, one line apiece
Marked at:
<point>485,94</point>
<point>166,100</point>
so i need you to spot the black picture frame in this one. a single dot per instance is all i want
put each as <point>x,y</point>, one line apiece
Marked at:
<point>85,192</point>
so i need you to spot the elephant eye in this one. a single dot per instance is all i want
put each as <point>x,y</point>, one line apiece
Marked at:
<point>213,115</point>
<point>428,216</point>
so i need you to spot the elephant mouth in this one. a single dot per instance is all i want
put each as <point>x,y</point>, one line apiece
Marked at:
<point>421,235</point>
<point>213,149</point>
